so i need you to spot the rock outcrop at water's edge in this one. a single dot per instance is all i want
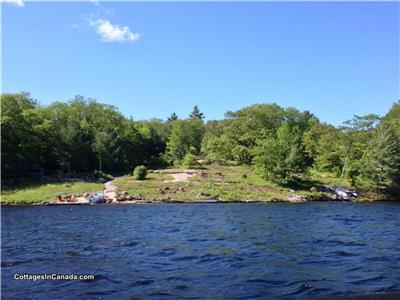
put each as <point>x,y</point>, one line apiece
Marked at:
<point>296,199</point>
<point>73,199</point>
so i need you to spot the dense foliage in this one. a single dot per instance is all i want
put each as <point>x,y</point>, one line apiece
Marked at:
<point>140,172</point>
<point>281,144</point>
<point>190,161</point>
<point>75,137</point>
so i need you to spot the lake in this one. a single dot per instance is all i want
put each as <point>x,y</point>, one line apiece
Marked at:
<point>166,251</point>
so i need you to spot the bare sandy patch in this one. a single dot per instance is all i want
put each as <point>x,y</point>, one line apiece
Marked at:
<point>180,177</point>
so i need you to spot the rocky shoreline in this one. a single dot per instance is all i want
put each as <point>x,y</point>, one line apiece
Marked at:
<point>170,201</point>
<point>111,195</point>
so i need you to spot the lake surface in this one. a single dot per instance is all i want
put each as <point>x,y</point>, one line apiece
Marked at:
<point>233,251</point>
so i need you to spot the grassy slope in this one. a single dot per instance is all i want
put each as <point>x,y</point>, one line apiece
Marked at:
<point>37,193</point>
<point>231,186</point>
<point>237,183</point>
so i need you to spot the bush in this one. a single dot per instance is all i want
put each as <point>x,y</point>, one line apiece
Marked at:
<point>140,172</point>
<point>101,176</point>
<point>190,161</point>
<point>157,162</point>
<point>192,150</point>
<point>318,196</point>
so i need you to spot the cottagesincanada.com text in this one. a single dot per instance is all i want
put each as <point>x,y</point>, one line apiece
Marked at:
<point>37,277</point>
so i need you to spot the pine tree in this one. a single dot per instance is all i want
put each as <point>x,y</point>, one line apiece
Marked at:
<point>196,113</point>
<point>172,117</point>
<point>382,160</point>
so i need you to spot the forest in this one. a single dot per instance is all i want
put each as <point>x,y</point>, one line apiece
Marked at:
<point>280,144</point>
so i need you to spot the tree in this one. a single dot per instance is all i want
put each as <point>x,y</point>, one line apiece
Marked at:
<point>216,145</point>
<point>381,160</point>
<point>196,113</point>
<point>217,148</point>
<point>20,135</point>
<point>184,135</point>
<point>155,133</point>
<point>100,145</point>
<point>381,166</point>
<point>355,135</point>
<point>190,161</point>
<point>322,143</point>
<point>235,137</point>
<point>393,116</point>
<point>280,156</point>
<point>172,117</point>
<point>241,154</point>
<point>72,137</point>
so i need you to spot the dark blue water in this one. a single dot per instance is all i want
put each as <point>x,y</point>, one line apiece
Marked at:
<point>273,251</point>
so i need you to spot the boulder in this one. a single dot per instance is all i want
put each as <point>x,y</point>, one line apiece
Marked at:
<point>296,198</point>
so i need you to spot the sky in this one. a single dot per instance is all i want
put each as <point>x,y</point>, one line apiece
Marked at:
<point>335,59</point>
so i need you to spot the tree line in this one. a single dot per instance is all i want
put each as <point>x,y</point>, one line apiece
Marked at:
<point>281,144</point>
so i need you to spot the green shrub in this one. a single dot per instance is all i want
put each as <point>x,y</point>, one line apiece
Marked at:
<point>244,175</point>
<point>190,161</point>
<point>318,196</point>
<point>101,176</point>
<point>192,150</point>
<point>140,172</point>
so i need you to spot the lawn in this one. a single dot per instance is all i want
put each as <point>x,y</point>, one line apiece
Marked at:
<point>46,192</point>
<point>226,183</point>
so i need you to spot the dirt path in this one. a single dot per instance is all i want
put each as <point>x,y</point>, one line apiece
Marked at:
<point>110,191</point>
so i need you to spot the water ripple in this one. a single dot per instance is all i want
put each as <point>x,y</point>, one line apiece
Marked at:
<point>258,251</point>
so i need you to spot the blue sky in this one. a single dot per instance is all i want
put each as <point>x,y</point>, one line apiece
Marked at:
<point>150,59</point>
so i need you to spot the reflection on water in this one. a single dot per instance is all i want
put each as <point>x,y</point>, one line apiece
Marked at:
<point>203,250</point>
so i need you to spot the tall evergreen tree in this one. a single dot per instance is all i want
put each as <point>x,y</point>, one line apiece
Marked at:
<point>382,160</point>
<point>172,117</point>
<point>196,113</point>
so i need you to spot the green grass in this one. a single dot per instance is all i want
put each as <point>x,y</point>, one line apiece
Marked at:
<point>236,183</point>
<point>227,183</point>
<point>37,193</point>
<point>232,185</point>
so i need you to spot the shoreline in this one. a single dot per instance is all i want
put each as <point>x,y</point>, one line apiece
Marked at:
<point>144,202</point>
<point>212,185</point>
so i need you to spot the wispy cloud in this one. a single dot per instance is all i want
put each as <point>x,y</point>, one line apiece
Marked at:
<point>15,2</point>
<point>112,32</point>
